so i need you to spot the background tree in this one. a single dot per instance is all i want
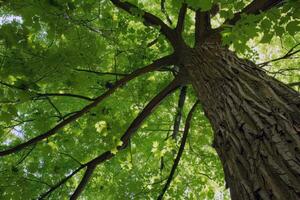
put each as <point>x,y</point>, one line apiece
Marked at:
<point>162,64</point>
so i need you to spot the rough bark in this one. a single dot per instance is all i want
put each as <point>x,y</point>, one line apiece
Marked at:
<point>256,123</point>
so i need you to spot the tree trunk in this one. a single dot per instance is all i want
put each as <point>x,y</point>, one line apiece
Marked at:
<point>256,123</point>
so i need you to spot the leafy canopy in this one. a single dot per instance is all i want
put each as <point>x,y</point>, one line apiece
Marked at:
<point>57,56</point>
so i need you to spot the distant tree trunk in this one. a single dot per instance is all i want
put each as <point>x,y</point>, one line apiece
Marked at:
<point>256,123</point>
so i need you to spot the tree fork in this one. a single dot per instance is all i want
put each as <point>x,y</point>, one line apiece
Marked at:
<point>137,122</point>
<point>92,164</point>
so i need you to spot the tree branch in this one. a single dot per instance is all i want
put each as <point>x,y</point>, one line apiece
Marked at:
<point>255,7</point>
<point>294,84</point>
<point>202,26</point>
<point>65,95</point>
<point>61,182</point>
<point>163,10</point>
<point>37,181</point>
<point>70,156</point>
<point>149,18</point>
<point>11,86</point>
<point>46,94</point>
<point>91,165</point>
<point>177,121</point>
<point>153,42</point>
<point>290,53</point>
<point>152,67</point>
<point>101,73</point>
<point>181,18</point>
<point>180,151</point>
<point>282,71</point>
<point>84,181</point>
<point>25,156</point>
<point>148,110</point>
<point>55,108</point>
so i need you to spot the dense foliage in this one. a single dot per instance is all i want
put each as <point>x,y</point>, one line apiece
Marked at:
<point>57,56</point>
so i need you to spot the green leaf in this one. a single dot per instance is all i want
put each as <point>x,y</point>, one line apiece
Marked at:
<point>293,27</point>
<point>266,38</point>
<point>204,5</point>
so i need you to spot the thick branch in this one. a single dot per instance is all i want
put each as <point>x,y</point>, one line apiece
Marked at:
<point>86,177</point>
<point>181,18</point>
<point>177,121</point>
<point>126,136</point>
<point>148,110</point>
<point>255,7</point>
<point>202,26</point>
<point>180,151</point>
<point>152,67</point>
<point>149,18</point>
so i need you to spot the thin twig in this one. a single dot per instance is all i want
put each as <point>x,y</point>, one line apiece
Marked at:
<point>70,156</point>
<point>290,53</point>
<point>101,73</point>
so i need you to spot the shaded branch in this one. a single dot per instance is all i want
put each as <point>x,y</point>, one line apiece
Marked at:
<point>11,86</point>
<point>18,124</point>
<point>149,18</point>
<point>25,156</point>
<point>86,177</point>
<point>178,116</point>
<point>294,84</point>
<point>65,95</point>
<point>202,26</point>
<point>70,156</point>
<point>85,23</point>
<point>148,110</point>
<point>153,42</point>
<point>290,53</point>
<point>160,130</point>
<point>101,73</point>
<point>60,183</point>
<point>181,18</point>
<point>37,181</point>
<point>282,71</point>
<point>206,175</point>
<point>91,165</point>
<point>163,10</point>
<point>55,108</point>
<point>180,151</point>
<point>45,94</point>
<point>152,67</point>
<point>255,7</point>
